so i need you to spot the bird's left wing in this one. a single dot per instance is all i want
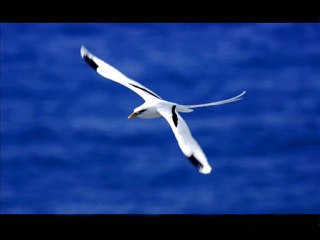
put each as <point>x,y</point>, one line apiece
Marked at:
<point>109,72</point>
<point>187,143</point>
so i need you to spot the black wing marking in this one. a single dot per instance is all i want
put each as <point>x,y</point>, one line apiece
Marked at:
<point>174,115</point>
<point>90,62</point>
<point>195,162</point>
<point>143,89</point>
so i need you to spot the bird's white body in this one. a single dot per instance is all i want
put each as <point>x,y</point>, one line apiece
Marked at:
<point>155,107</point>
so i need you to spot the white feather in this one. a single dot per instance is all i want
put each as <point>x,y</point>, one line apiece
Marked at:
<point>229,100</point>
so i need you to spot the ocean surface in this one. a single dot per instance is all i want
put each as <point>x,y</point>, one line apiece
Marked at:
<point>67,146</point>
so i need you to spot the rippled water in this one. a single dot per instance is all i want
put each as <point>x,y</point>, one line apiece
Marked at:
<point>67,146</point>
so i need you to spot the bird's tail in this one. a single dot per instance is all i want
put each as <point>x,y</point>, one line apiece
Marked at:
<point>184,109</point>
<point>188,108</point>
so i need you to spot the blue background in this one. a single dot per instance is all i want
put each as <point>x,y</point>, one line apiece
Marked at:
<point>67,146</point>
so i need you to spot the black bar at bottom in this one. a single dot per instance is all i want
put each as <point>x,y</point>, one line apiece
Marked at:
<point>157,221</point>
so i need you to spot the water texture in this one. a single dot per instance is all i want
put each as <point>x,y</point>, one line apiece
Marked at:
<point>68,147</point>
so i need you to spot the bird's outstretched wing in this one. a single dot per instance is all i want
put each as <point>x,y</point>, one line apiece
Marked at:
<point>229,100</point>
<point>187,143</point>
<point>109,72</point>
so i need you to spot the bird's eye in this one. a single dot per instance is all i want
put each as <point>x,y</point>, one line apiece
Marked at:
<point>141,111</point>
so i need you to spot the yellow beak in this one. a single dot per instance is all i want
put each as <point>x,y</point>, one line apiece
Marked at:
<point>132,115</point>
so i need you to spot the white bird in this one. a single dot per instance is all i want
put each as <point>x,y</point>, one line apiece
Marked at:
<point>154,107</point>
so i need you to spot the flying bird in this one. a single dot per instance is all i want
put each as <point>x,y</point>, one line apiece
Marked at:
<point>155,107</point>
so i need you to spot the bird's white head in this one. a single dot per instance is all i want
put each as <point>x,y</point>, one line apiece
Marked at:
<point>146,111</point>
<point>137,113</point>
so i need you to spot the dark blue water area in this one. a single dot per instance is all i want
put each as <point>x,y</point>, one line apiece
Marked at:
<point>67,145</point>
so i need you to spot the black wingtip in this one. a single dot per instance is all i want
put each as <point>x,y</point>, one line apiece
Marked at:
<point>85,56</point>
<point>195,162</point>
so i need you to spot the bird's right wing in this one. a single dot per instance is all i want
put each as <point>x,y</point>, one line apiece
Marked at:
<point>229,100</point>
<point>187,143</point>
<point>109,72</point>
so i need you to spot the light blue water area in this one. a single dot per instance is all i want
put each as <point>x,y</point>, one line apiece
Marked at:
<point>67,146</point>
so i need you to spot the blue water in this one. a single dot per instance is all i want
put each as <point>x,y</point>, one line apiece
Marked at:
<point>67,146</point>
